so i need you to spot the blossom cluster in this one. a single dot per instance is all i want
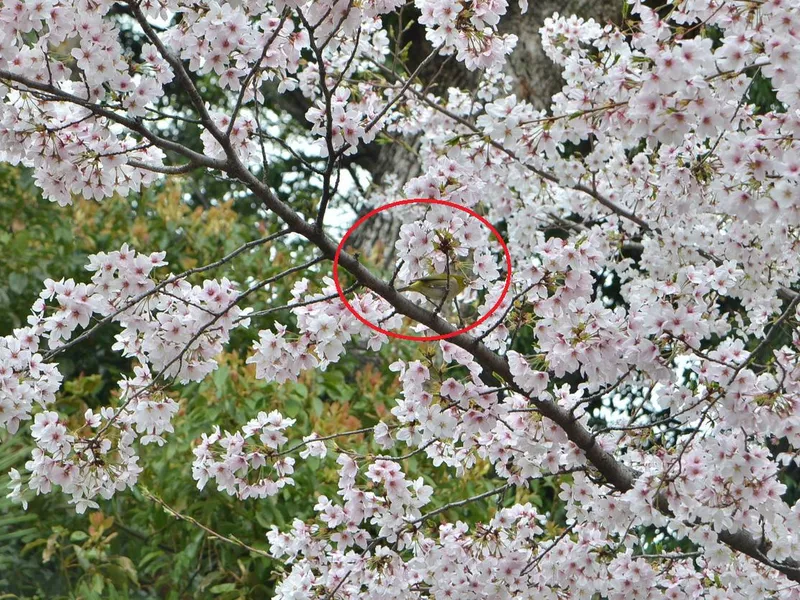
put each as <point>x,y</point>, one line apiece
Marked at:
<point>324,325</point>
<point>26,381</point>
<point>469,29</point>
<point>76,148</point>
<point>229,459</point>
<point>171,329</point>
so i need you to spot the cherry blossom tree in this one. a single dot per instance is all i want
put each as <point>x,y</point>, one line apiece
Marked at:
<point>646,357</point>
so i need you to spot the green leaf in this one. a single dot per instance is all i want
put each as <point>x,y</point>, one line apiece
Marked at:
<point>150,557</point>
<point>292,406</point>
<point>81,556</point>
<point>78,536</point>
<point>34,544</point>
<point>221,380</point>
<point>18,534</point>
<point>9,460</point>
<point>210,578</point>
<point>17,282</point>
<point>127,566</point>
<point>98,583</point>
<point>317,406</point>
<point>116,574</point>
<point>223,587</point>
<point>17,519</point>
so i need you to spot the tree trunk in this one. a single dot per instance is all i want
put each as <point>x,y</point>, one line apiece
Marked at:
<point>536,78</point>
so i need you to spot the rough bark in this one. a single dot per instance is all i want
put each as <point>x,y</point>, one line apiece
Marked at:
<point>536,79</point>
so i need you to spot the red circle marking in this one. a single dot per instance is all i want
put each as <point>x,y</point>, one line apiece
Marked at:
<point>420,338</point>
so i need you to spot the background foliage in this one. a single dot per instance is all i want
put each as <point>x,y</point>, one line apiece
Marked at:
<point>132,547</point>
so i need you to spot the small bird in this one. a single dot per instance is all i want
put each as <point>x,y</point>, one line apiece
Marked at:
<point>437,289</point>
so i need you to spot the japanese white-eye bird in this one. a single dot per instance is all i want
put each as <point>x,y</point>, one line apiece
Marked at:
<point>437,289</point>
